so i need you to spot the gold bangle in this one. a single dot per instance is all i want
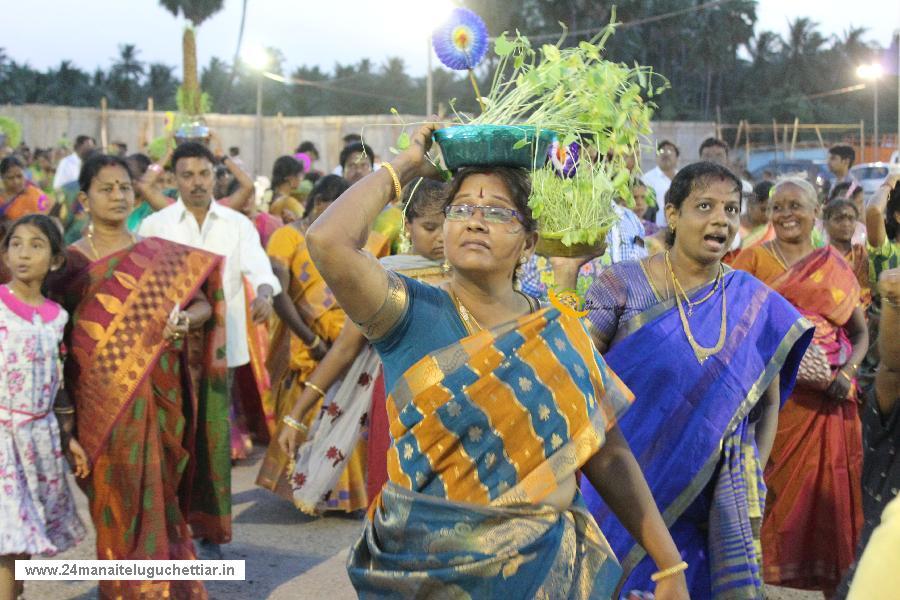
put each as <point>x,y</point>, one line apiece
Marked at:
<point>315,388</point>
<point>294,424</point>
<point>64,410</point>
<point>844,373</point>
<point>398,190</point>
<point>682,566</point>
<point>315,342</point>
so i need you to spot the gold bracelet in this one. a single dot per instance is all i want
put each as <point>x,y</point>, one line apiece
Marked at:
<point>682,566</point>
<point>844,373</point>
<point>64,410</point>
<point>398,190</point>
<point>294,424</point>
<point>316,341</point>
<point>315,388</point>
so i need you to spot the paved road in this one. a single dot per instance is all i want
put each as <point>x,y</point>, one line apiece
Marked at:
<point>288,555</point>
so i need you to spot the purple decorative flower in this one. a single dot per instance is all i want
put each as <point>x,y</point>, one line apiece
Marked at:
<point>462,41</point>
<point>564,158</point>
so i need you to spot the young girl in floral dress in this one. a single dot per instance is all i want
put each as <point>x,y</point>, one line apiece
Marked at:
<point>37,511</point>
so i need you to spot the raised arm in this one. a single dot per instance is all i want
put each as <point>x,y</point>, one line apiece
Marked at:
<point>245,190</point>
<point>337,237</point>
<point>875,211</point>
<point>239,198</point>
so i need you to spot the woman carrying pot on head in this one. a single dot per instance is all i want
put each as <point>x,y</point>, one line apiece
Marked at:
<point>710,354</point>
<point>814,511</point>
<point>494,404</point>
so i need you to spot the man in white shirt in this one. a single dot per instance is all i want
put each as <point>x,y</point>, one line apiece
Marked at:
<point>660,177</point>
<point>69,167</point>
<point>196,220</point>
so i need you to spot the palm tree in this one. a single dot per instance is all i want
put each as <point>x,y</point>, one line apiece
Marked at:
<point>161,83</point>
<point>128,66</point>
<point>195,11</point>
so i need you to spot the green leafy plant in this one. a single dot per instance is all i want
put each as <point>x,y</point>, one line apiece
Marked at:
<point>577,210</point>
<point>584,99</point>
<point>12,129</point>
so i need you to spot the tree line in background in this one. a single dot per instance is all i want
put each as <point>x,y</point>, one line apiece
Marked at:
<point>713,56</point>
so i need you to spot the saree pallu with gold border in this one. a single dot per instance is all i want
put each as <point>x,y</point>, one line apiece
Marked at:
<point>154,425</point>
<point>690,431</point>
<point>814,512</point>
<point>482,431</point>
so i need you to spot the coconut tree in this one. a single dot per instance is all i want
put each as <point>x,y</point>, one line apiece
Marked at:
<point>195,11</point>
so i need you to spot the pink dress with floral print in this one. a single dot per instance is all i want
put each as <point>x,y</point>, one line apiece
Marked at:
<point>37,511</point>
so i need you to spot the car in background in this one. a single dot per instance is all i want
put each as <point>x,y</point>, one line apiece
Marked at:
<point>815,171</point>
<point>870,176</point>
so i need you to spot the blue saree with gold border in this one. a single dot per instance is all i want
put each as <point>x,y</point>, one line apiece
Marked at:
<point>691,429</point>
<point>483,428</point>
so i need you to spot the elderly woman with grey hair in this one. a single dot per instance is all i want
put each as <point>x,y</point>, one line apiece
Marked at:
<point>814,509</point>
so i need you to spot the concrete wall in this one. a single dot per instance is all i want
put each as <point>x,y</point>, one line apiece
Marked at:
<point>45,125</point>
<point>687,135</point>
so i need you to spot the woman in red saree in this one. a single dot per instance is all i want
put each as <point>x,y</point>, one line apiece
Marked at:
<point>149,418</point>
<point>814,508</point>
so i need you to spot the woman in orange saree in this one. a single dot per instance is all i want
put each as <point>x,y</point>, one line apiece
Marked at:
<point>814,508</point>
<point>840,217</point>
<point>20,197</point>
<point>149,420</point>
<point>309,321</point>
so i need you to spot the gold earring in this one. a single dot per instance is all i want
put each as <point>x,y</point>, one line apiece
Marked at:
<point>446,266</point>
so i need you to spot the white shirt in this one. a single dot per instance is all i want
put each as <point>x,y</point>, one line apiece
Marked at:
<point>227,233</point>
<point>621,240</point>
<point>660,183</point>
<point>67,171</point>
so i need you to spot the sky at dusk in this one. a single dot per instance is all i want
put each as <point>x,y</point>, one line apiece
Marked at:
<point>89,32</point>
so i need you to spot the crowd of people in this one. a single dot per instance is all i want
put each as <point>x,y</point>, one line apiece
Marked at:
<point>708,405</point>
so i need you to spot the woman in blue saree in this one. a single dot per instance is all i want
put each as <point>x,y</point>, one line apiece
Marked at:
<point>710,354</point>
<point>494,404</point>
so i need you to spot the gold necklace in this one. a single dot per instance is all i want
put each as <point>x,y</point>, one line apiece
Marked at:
<point>471,323</point>
<point>779,255</point>
<point>701,352</point>
<point>692,304</point>
<point>90,239</point>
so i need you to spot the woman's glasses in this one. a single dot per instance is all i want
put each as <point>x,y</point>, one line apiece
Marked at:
<point>491,214</point>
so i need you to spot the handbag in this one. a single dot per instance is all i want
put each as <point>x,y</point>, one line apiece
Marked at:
<point>815,371</point>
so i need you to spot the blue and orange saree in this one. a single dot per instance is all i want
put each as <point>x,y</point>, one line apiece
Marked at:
<point>691,429</point>
<point>483,428</point>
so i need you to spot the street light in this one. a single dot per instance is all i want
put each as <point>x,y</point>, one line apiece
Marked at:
<point>258,59</point>
<point>872,72</point>
<point>438,11</point>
